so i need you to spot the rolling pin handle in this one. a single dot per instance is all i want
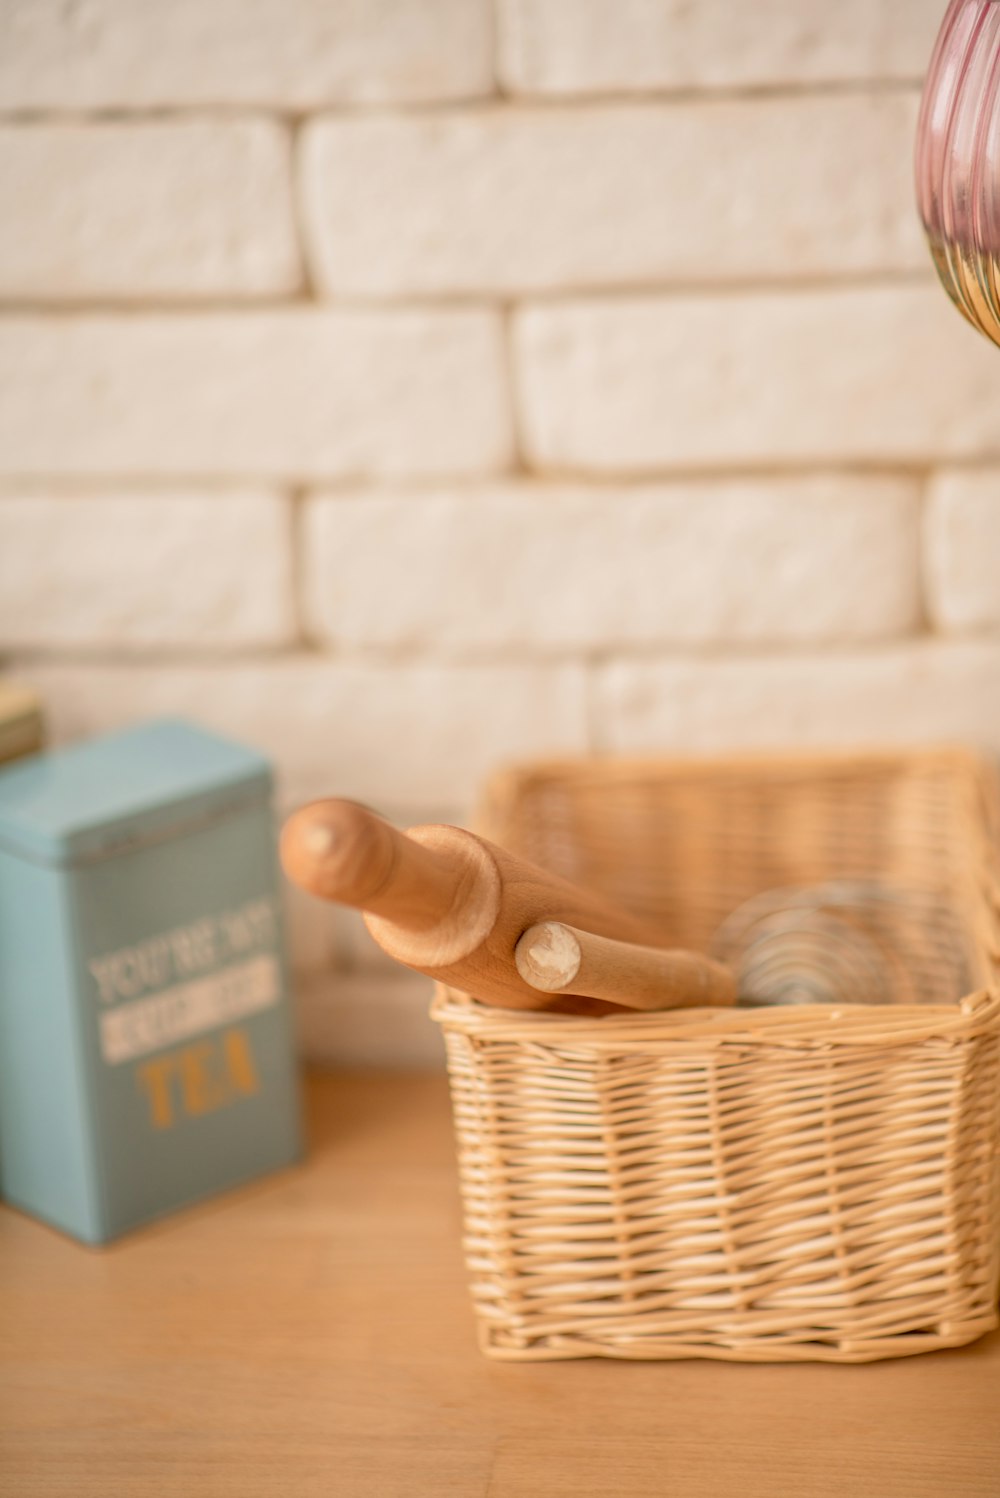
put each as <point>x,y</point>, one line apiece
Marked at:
<point>556,958</point>
<point>341,851</point>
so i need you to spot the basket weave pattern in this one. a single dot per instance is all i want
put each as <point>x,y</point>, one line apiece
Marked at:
<point>763,1184</point>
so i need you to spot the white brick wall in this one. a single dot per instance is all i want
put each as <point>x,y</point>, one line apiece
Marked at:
<point>535,199</point>
<point>288,54</point>
<point>406,388</point>
<point>544,568</point>
<point>411,737</point>
<point>286,393</point>
<point>917,692</point>
<point>628,46</point>
<point>346,1019</point>
<point>160,209</point>
<point>123,571</point>
<point>963,551</point>
<point>884,374</point>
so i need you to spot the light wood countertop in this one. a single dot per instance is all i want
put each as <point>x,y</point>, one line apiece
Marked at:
<point>312,1335</point>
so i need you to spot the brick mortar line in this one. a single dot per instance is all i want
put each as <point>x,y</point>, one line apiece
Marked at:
<point>733,653</point>
<point>827,466</point>
<point>501,98</point>
<point>496,301</point>
<point>923,550</point>
<point>88,484</point>
<point>296,502</point>
<point>511,383</point>
<point>501,92</point>
<point>297,198</point>
<point>517,299</point>
<point>587,658</point>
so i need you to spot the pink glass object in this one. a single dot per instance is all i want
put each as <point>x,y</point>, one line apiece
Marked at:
<point>958,160</point>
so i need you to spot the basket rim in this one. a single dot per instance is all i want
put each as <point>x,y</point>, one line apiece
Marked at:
<point>946,752</point>
<point>799,1027</point>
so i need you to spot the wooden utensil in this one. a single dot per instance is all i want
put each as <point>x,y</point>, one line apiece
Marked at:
<point>448,903</point>
<point>556,958</point>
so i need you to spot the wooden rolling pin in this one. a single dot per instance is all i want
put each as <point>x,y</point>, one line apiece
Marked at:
<point>451,905</point>
<point>555,958</point>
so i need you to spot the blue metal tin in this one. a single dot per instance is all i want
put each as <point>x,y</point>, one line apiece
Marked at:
<point>146,1054</point>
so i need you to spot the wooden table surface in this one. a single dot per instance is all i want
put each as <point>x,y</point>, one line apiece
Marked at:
<point>312,1335</point>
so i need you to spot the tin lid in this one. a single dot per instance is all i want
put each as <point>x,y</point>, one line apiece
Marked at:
<point>114,793</point>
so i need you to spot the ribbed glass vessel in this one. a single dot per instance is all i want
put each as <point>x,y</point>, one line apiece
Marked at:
<point>958,160</point>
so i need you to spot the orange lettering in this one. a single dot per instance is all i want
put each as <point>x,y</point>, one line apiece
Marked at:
<point>239,1062</point>
<point>204,1089</point>
<point>209,1080</point>
<point>155,1077</point>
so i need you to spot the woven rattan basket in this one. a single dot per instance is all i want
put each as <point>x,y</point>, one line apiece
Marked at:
<point>791,1182</point>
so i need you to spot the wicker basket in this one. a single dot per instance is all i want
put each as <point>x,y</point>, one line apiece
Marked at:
<point>797,1182</point>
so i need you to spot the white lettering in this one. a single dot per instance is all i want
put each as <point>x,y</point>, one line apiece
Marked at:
<point>188,1009</point>
<point>185,952</point>
<point>101,969</point>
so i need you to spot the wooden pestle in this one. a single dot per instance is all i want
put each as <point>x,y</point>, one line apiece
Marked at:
<point>446,902</point>
<point>555,958</point>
